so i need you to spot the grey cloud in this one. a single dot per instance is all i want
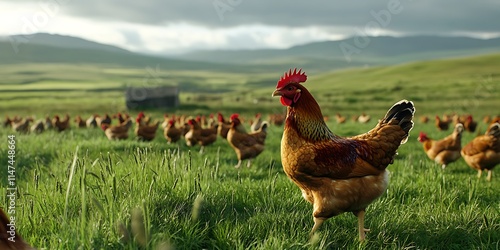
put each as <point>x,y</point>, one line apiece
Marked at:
<point>416,16</point>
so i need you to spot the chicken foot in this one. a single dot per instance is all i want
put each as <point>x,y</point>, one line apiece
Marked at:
<point>238,165</point>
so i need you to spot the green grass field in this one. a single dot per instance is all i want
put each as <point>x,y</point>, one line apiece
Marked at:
<point>66,206</point>
<point>189,200</point>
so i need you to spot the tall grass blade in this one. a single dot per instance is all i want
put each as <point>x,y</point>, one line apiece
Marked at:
<point>71,174</point>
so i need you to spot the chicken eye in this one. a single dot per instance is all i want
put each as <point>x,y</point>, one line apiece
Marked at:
<point>290,88</point>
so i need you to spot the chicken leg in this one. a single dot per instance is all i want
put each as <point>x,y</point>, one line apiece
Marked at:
<point>317,224</point>
<point>361,225</point>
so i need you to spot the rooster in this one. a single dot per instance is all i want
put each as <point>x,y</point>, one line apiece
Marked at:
<point>446,150</point>
<point>334,173</point>
<point>246,146</point>
<point>483,153</point>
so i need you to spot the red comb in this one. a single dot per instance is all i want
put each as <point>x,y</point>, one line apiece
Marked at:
<point>289,77</point>
<point>234,116</point>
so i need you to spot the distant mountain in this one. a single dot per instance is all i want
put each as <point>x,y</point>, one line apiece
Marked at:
<point>61,41</point>
<point>356,51</point>
<point>317,56</point>
<point>48,48</point>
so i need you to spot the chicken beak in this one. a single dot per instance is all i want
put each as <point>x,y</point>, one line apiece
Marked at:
<point>277,93</point>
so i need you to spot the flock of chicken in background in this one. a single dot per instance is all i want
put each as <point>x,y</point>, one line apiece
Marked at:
<point>195,131</point>
<point>202,131</point>
<point>198,131</point>
<point>482,153</point>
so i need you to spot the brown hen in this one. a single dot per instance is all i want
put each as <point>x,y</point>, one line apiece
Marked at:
<point>483,153</point>
<point>446,150</point>
<point>246,146</point>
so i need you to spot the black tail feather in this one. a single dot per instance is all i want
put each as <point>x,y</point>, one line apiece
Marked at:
<point>402,111</point>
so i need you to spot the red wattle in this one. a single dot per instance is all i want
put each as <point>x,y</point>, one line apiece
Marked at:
<point>285,101</point>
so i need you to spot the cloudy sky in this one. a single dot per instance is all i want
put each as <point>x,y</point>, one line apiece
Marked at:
<point>167,26</point>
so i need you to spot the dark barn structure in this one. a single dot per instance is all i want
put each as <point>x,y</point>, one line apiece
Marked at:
<point>152,97</point>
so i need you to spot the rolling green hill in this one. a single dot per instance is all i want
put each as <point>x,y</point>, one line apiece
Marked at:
<point>62,41</point>
<point>328,55</point>
<point>317,56</point>
<point>462,85</point>
<point>57,49</point>
<point>34,53</point>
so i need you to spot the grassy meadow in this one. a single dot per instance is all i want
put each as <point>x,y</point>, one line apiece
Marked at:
<point>78,190</point>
